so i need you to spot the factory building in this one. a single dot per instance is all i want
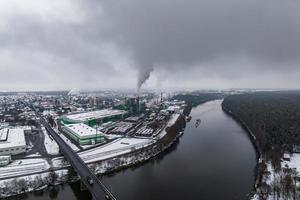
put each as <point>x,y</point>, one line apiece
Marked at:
<point>135,106</point>
<point>94,117</point>
<point>12,141</point>
<point>83,134</point>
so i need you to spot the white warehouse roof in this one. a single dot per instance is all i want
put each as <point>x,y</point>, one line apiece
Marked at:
<point>83,130</point>
<point>98,114</point>
<point>12,138</point>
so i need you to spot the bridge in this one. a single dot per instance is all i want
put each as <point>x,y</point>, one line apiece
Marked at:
<point>97,189</point>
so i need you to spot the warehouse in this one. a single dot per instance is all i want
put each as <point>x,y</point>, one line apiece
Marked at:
<point>91,118</point>
<point>12,141</point>
<point>83,134</point>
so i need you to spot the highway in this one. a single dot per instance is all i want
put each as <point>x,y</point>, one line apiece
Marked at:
<point>97,188</point>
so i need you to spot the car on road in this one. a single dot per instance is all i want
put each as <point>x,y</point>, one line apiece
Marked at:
<point>89,180</point>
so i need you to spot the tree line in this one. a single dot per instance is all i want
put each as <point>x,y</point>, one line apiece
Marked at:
<point>273,117</point>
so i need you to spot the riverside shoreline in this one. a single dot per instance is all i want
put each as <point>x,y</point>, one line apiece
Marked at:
<point>63,175</point>
<point>259,158</point>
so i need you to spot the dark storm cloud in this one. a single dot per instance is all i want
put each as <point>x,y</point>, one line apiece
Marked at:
<point>179,34</point>
<point>96,41</point>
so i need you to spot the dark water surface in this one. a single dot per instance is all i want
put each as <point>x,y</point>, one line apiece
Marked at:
<point>215,161</point>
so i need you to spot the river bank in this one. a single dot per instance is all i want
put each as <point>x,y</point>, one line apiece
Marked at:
<point>58,176</point>
<point>216,154</point>
<point>258,176</point>
<point>272,181</point>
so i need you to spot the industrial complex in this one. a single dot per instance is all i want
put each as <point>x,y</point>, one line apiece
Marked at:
<point>36,130</point>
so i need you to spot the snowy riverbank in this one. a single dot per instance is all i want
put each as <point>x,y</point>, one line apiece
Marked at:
<point>34,174</point>
<point>281,183</point>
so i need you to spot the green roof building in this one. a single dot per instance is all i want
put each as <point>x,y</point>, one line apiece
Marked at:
<point>83,134</point>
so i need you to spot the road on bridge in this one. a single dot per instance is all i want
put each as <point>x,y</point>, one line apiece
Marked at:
<point>89,179</point>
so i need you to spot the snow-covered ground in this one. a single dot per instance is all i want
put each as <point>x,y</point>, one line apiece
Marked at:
<point>115,148</point>
<point>33,155</point>
<point>290,161</point>
<point>294,162</point>
<point>29,146</point>
<point>30,183</point>
<point>50,144</point>
<point>23,167</point>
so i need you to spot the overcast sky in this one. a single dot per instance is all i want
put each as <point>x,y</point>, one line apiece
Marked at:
<point>64,44</point>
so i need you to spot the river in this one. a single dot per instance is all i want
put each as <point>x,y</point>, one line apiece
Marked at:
<point>215,161</point>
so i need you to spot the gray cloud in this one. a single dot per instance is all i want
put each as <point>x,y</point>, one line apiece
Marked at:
<point>175,33</point>
<point>54,54</point>
<point>234,43</point>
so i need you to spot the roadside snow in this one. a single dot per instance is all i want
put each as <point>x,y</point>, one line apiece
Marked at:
<point>50,144</point>
<point>70,143</point>
<point>33,155</point>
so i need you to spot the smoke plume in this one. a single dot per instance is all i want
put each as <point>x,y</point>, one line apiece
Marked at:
<point>143,76</point>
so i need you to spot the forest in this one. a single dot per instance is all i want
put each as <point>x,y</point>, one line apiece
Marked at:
<point>274,120</point>
<point>273,117</point>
